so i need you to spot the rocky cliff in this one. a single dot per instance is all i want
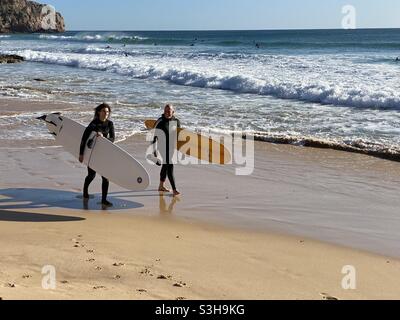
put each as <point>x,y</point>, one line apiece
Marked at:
<point>28,16</point>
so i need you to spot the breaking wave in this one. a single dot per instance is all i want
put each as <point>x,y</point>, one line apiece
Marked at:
<point>322,92</point>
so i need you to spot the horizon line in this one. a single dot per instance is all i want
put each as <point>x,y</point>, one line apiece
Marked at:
<point>207,30</point>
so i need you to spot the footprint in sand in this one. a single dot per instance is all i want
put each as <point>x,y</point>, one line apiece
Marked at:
<point>141,290</point>
<point>180,284</point>
<point>98,268</point>
<point>180,298</point>
<point>326,296</point>
<point>146,271</point>
<point>118,264</point>
<point>64,281</point>
<point>91,260</point>
<point>77,242</point>
<point>10,285</point>
<point>26,276</point>
<point>99,287</point>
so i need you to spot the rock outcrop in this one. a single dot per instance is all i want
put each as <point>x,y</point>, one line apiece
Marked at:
<point>27,16</point>
<point>10,58</point>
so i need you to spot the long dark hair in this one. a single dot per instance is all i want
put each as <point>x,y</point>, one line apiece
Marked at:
<point>99,108</point>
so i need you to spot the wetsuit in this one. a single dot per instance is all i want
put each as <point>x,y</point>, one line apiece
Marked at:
<point>167,168</point>
<point>106,128</point>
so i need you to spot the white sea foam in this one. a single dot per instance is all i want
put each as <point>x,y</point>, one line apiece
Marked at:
<point>275,76</point>
<point>54,37</point>
<point>343,96</point>
<point>93,37</point>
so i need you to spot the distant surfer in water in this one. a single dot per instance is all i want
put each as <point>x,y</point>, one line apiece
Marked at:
<point>103,126</point>
<point>164,124</point>
<point>397,59</point>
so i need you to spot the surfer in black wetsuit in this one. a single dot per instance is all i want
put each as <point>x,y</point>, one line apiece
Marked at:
<point>165,124</point>
<point>105,127</point>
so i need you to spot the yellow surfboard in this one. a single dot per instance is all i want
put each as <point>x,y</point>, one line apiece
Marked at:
<point>199,146</point>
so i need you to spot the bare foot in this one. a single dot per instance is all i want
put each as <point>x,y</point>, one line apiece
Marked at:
<point>176,193</point>
<point>163,189</point>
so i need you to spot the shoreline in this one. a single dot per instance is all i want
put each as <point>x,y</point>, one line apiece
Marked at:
<point>385,153</point>
<point>360,147</point>
<point>285,232</point>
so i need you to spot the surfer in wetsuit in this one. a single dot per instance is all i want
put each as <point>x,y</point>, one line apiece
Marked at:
<point>105,127</point>
<point>165,124</point>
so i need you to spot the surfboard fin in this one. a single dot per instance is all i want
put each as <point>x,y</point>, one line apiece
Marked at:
<point>44,119</point>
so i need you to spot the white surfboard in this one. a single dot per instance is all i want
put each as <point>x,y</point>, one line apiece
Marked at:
<point>103,156</point>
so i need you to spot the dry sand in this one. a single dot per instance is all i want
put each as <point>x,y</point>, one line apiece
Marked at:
<point>212,243</point>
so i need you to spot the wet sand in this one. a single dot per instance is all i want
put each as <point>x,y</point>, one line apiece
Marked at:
<point>285,232</point>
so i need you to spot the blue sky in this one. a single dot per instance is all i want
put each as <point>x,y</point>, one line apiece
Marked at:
<point>223,14</point>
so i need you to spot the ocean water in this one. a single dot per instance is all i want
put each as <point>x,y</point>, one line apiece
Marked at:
<point>336,88</point>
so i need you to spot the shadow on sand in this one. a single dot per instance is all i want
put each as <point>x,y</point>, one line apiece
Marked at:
<point>35,217</point>
<point>30,198</point>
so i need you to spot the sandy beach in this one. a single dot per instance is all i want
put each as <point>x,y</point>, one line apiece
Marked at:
<point>284,232</point>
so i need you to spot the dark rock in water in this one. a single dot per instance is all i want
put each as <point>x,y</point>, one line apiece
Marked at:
<point>38,79</point>
<point>10,58</point>
<point>22,16</point>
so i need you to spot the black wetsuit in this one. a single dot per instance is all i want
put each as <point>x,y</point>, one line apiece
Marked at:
<point>106,128</point>
<point>167,168</point>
